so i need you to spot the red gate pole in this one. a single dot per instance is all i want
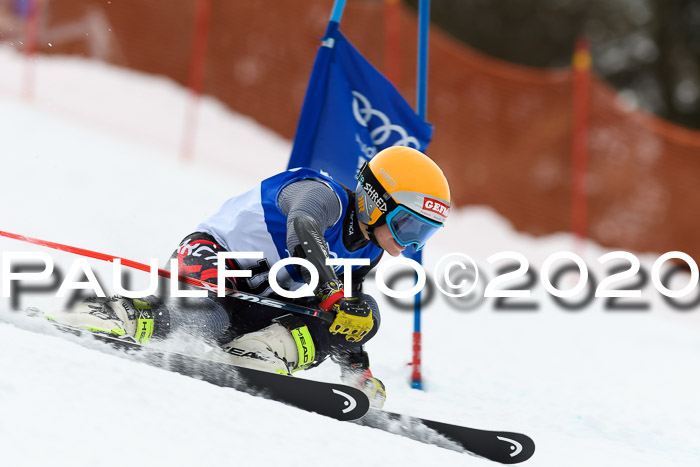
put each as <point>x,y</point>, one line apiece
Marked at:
<point>392,42</point>
<point>31,43</point>
<point>200,38</point>
<point>579,149</point>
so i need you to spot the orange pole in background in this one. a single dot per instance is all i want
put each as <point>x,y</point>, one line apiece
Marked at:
<point>579,149</point>
<point>200,38</point>
<point>31,44</point>
<point>392,42</point>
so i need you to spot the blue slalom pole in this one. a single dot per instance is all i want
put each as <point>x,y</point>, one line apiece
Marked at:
<point>421,101</point>
<point>333,23</point>
<point>337,12</point>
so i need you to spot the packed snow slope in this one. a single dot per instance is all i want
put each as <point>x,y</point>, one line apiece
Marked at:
<point>93,161</point>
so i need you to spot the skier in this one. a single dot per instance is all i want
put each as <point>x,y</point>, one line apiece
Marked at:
<point>402,198</point>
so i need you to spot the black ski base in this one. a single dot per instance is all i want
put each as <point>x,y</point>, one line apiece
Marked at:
<point>337,401</point>
<point>499,446</point>
<point>332,400</point>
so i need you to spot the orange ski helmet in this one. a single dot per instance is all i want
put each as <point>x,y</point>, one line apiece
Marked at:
<point>404,188</point>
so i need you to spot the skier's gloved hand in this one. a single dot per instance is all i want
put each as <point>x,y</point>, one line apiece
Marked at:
<point>371,386</point>
<point>375,391</point>
<point>355,372</point>
<point>353,316</point>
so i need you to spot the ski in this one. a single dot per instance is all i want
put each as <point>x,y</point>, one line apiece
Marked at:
<point>499,446</point>
<point>337,401</point>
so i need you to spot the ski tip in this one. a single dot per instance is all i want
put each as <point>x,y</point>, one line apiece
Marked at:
<point>352,404</point>
<point>521,448</point>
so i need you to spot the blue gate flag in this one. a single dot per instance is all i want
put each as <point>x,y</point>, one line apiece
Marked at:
<point>350,113</point>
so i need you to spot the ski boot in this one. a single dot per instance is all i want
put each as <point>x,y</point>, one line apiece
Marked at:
<point>117,316</point>
<point>283,347</point>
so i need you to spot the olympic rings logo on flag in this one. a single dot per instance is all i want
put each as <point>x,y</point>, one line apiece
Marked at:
<point>363,111</point>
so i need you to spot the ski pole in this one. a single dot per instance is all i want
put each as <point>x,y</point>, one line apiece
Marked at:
<point>247,297</point>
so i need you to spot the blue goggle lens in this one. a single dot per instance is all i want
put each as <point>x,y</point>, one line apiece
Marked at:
<point>408,228</point>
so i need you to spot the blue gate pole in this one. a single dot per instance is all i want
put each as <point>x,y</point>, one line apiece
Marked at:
<point>337,13</point>
<point>421,108</point>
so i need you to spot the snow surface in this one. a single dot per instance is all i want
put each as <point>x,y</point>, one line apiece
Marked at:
<point>93,161</point>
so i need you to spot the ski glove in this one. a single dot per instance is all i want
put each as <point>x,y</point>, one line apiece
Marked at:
<point>353,316</point>
<point>375,391</point>
<point>373,388</point>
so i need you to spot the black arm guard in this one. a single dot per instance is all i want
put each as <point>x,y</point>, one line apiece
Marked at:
<point>313,247</point>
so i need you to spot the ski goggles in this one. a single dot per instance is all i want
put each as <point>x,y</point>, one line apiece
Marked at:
<point>409,228</point>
